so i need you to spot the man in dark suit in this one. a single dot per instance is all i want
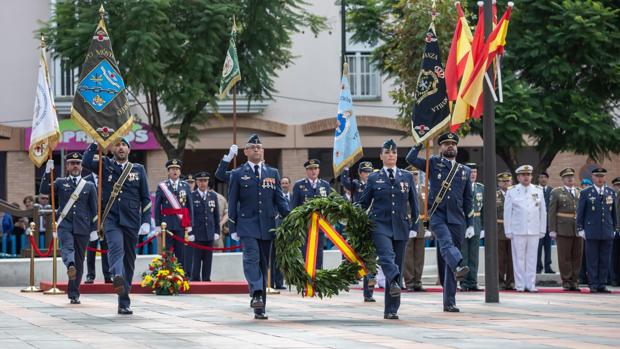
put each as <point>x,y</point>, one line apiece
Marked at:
<point>254,200</point>
<point>129,216</point>
<point>545,243</point>
<point>91,256</point>
<point>77,219</point>
<point>206,226</point>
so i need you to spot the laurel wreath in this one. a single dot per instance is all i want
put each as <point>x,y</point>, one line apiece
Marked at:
<point>291,236</point>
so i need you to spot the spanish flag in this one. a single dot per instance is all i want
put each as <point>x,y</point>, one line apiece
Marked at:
<point>460,54</point>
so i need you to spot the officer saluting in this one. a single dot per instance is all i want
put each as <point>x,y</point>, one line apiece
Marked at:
<point>206,226</point>
<point>78,216</point>
<point>387,193</point>
<point>596,221</point>
<point>306,189</point>
<point>127,213</point>
<point>450,210</point>
<point>254,196</point>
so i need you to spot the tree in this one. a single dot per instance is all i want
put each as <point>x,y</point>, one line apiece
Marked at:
<point>171,52</point>
<point>561,74</point>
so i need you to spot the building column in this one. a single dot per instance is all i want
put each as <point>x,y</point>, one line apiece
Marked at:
<point>292,163</point>
<point>156,165</point>
<point>20,177</point>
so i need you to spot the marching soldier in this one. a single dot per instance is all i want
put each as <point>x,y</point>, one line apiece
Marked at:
<point>525,222</point>
<point>206,226</point>
<point>596,221</point>
<point>255,197</point>
<point>414,252</point>
<point>78,213</point>
<point>471,244</point>
<point>504,246</point>
<point>562,210</point>
<point>387,194</point>
<point>309,188</point>
<point>91,256</point>
<point>356,188</point>
<point>173,205</point>
<point>127,214</point>
<point>450,201</point>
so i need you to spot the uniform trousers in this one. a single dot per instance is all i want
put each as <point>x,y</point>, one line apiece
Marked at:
<point>524,258</point>
<point>390,253</point>
<point>414,262</point>
<point>504,259</point>
<point>471,252</point>
<point>255,264</point>
<point>121,255</point>
<point>449,238</point>
<point>179,248</point>
<point>91,258</point>
<point>598,257</point>
<point>570,250</point>
<point>73,251</point>
<point>203,261</point>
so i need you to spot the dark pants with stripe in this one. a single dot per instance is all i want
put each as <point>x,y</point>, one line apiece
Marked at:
<point>255,264</point>
<point>73,250</point>
<point>121,255</point>
<point>390,253</point>
<point>598,256</point>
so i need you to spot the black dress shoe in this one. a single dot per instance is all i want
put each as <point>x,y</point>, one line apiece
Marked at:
<point>475,289</point>
<point>603,290</point>
<point>394,289</point>
<point>549,271</point>
<point>390,316</point>
<point>419,289</point>
<point>257,301</point>
<point>71,272</point>
<point>260,316</point>
<point>118,283</point>
<point>593,290</point>
<point>108,280</point>
<point>461,272</point>
<point>567,288</point>
<point>90,280</point>
<point>575,288</point>
<point>75,300</point>
<point>450,309</point>
<point>125,311</point>
<point>369,300</point>
<point>280,288</point>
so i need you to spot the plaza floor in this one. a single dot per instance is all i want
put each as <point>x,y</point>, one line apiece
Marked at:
<point>544,320</point>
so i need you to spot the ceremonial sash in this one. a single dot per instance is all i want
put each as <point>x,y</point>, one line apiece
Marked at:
<point>74,196</point>
<point>116,189</point>
<point>445,186</point>
<point>181,212</point>
<point>317,223</point>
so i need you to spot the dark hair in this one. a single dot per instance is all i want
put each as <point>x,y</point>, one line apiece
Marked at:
<point>29,197</point>
<point>289,180</point>
<point>544,174</point>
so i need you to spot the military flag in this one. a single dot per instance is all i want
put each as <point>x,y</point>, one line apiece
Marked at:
<point>231,73</point>
<point>431,112</point>
<point>100,104</point>
<point>347,142</point>
<point>45,130</point>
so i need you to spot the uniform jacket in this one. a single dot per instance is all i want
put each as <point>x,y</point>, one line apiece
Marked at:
<point>456,207</point>
<point>132,206</point>
<point>222,173</point>
<point>500,197</point>
<point>206,216</point>
<point>525,212</point>
<point>254,203</point>
<point>596,214</point>
<point>104,195</point>
<point>389,201</point>
<point>477,201</point>
<point>82,217</point>
<point>562,211</point>
<point>356,187</point>
<point>185,198</point>
<point>302,191</point>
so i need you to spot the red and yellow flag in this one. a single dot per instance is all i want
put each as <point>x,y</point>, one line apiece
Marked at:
<point>459,56</point>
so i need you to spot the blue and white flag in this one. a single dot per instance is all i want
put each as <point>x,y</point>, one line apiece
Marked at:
<point>347,142</point>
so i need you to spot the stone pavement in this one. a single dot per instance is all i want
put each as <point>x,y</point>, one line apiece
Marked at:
<point>547,320</point>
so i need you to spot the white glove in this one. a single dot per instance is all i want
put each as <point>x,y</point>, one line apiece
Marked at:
<point>189,229</point>
<point>93,236</point>
<point>582,234</point>
<point>542,234</point>
<point>346,168</point>
<point>553,234</point>
<point>158,229</point>
<point>234,236</point>
<point>508,236</point>
<point>427,233</point>
<point>412,234</point>
<point>482,234</point>
<point>191,237</point>
<point>231,153</point>
<point>145,228</point>
<point>49,166</point>
<point>469,233</point>
<point>216,236</point>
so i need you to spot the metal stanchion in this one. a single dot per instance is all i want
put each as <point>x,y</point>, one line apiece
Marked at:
<point>270,290</point>
<point>54,289</point>
<point>32,287</point>
<point>163,237</point>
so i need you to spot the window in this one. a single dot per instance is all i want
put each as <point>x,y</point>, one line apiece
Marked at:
<point>364,77</point>
<point>64,78</point>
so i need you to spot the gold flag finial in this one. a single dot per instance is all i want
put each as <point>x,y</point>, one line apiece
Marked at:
<point>345,69</point>
<point>101,11</point>
<point>42,43</point>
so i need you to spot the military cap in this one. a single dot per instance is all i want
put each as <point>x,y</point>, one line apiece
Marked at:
<point>312,163</point>
<point>472,165</point>
<point>365,166</point>
<point>412,169</point>
<point>124,140</point>
<point>389,145</point>
<point>504,176</point>
<point>599,171</point>
<point>202,175</point>
<point>616,181</point>
<point>254,139</point>
<point>524,169</point>
<point>586,181</point>
<point>73,156</point>
<point>173,163</point>
<point>190,178</point>
<point>448,136</point>
<point>567,172</point>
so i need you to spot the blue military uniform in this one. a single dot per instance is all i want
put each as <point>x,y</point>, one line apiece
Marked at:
<point>452,216</point>
<point>131,209</point>
<point>75,228</point>
<point>222,173</point>
<point>91,255</point>
<point>389,193</point>
<point>304,190</point>
<point>470,248</point>
<point>597,217</point>
<point>544,245</point>
<point>206,225</point>
<point>254,199</point>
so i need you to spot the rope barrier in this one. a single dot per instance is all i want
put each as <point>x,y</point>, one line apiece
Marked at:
<point>140,245</point>
<point>200,247</point>
<point>36,249</point>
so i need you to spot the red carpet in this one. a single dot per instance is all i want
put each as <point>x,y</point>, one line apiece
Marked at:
<point>540,290</point>
<point>195,287</point>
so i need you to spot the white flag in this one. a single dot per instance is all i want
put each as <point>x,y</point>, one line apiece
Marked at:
<point>45,131</point>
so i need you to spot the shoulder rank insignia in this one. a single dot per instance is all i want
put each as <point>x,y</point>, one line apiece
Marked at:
<point>380,181</point>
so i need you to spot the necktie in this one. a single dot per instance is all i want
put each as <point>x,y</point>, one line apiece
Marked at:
<point>256,173</point>
<point>390,174</point>
<point>74,181</point>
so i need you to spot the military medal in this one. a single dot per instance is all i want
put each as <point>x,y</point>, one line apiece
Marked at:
<point>609,200</point>
<point>182,197</point>
<point>322,192</point>
<point>463,176</point>
<point>110,178</point>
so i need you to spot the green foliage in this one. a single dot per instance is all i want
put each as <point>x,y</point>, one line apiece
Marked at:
<point>291,235</point>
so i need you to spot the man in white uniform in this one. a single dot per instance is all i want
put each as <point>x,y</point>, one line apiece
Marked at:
<point>525,222</point>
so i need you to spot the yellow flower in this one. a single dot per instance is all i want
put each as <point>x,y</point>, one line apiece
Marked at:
<point>179,283</point>
<point>185,286</point>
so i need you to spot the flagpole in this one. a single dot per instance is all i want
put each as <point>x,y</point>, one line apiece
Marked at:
<point>54,289</point>
<point>428,155</point>
<point>99,194</point>
<point>235,122</point>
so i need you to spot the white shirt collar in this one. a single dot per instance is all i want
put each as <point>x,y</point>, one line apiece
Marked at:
<point>77,178</point>
<point>203,193</point>
<point>260,164</point>
<point>385,169</point>
<point>122,165</point>
<point>600,190</point>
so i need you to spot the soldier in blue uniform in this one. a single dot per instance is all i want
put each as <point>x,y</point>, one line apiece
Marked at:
<point>451,216</point>
<point>356,188</point>
<point>91,256</point>
<point>306,189</point>
<point>471,244</point>
<point>544,245</point>
<point>222,173</point>
<point>387,194</point>
<point>173,205</point>
<point>77,209</point>
<point>596,221</point>
<point>254,199</point>
<point>129,215</point>
<point>206,226</point>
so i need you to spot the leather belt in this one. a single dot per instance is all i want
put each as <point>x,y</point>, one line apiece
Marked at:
<point>500,221</point>
<point>566,215</point>
<point>476,214</point>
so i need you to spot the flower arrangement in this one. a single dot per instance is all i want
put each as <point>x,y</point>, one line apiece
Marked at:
<point>165,275</point>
